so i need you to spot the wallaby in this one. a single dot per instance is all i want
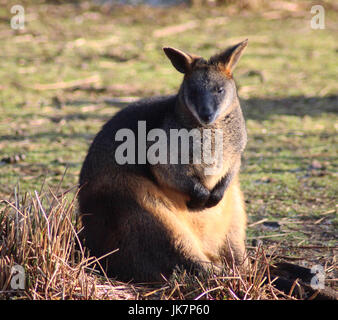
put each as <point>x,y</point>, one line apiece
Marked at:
<point>161,215</point>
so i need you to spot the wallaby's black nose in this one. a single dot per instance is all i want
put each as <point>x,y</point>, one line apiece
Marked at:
<point>206,116</point>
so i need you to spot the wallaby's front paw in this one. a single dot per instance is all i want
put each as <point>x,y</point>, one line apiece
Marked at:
<point>217,193</point>
<point>199,197</point>
<point>214,199</point>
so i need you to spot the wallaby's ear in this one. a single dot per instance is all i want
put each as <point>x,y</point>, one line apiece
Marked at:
<point>180,60</point>
<point>228,59</point>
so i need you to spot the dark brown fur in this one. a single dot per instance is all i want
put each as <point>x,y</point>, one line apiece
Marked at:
<point>164,215</point>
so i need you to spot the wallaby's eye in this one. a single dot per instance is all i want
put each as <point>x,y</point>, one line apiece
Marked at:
<point>220,90</point>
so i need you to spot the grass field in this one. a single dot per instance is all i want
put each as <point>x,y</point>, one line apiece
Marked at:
<point>59,74</point>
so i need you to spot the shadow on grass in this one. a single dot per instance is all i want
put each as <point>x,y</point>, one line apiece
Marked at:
<point>50,135</point>
<point>263,109</point>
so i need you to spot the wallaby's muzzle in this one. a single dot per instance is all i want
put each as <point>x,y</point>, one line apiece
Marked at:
<point>207,117</point>
<point>204,104</point>
<point>207,110</point>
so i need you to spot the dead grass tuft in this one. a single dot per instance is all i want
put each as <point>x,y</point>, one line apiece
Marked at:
<point>40,233</point>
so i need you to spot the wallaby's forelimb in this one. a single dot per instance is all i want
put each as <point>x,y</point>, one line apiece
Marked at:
<point>199,196</point>
<point>190,185</point>
<point>217,192</point>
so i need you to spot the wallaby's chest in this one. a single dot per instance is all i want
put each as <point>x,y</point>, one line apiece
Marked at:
<point>206,152</point>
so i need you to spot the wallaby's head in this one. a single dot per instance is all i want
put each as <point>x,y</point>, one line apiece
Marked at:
<point>208,89</point>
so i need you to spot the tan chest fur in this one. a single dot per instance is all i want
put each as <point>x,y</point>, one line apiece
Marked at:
<point>200,234</point>
<point>221,168</point>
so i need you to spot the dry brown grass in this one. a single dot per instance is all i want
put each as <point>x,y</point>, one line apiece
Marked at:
<point>231,284</point>
<point>39,231</point>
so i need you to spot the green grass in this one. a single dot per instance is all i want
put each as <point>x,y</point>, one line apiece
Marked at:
<point>287,81</point>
